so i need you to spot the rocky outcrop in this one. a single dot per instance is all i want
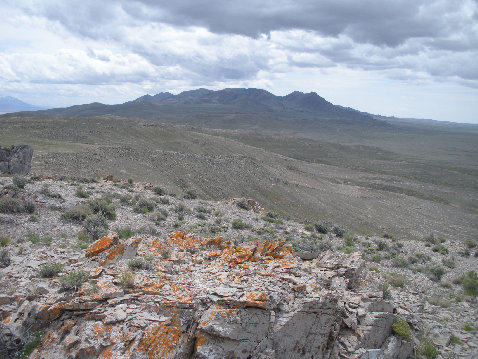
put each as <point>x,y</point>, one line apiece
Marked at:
<point>206,298</point>
<point>16,159</point>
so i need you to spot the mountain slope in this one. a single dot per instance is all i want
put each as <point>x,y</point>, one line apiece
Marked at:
<point>12,104</point>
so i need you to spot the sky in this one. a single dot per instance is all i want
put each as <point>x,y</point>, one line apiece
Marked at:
<point>404,58</point>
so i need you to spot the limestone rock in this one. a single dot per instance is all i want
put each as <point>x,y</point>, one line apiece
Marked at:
<point>16,159</point>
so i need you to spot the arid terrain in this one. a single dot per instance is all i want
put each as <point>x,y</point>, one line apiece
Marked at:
<point>179,277</point>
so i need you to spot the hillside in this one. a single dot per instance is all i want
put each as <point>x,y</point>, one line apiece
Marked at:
<point>121,269</point>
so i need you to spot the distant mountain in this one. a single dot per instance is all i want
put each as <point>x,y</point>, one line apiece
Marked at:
<point>12,104</point>
<point>232,108</point>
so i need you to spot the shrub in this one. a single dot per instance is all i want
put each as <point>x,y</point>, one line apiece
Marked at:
<point>29,347</point>
<point>138,263</point>
<point>238,224</point>
<point>376,258</point>
<point>4,242</point>
<point>272,217</point>
<point>243,204</point>
<point>125,232</point>
<point>338,231</point>
<point>397,280</point>
<point>33,237</point>
<point>144,205</point>
<point>50,270</point>
<point>81,193</point>
<point>386,293</point>
<point>164,200</point>
<point>48,193</point>
<point>16,205</point>
<point>321,227</point>
<point>160,216</point>
<point>77,213</point>
<point>19,182</point>
<point>95,226</point>
<point>400,262</point>
<point>103,206</point>
<point>455,340</point>
<point>382,246</point>
<point>435,272</point>
<point>190,194</point>
<point>309,227</point>
<point>126,279</point>
<point>4,258</point>
<point>440,248</point>
<point>470,243</point>
<point>448,263</point>
<point>349,239</point>
<point>467,328</point>
<point>401,328</point>
<point>202,209</point>
<point>73,280</point>
<point>180,208</point>
<point>159,191</point>
<point>439,302</point>
<point>470,283</point>
<point>427,349</point>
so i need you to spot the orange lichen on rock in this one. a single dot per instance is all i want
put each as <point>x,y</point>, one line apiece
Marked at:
<point>113,253</point>
<point>50,312</point>
<point>161,340</point>
<point>200,341</point>
<point>101,245</point>
<point>188,240</point>
<point>7,319</point>
<point>107,354</point>
<point>256,299</point>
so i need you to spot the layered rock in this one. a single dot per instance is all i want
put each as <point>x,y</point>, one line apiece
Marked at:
<point>16,159</point>
<point>206,298</point>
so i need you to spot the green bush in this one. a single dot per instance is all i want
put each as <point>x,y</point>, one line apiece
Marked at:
<point>427,349</point>
<point>382,246</point>
<point>338,231</point>
<point>309,227</point>
<point>139,263</point>
<point>81,193</point>
<point>48,193</point>
<point>440,248</point>
<point>272,217</point>
<point>376,258</point>
<point>103,206</point>
<point>238,224</point>
<point>144,205</point>
<point>126,279</point>
<point>16,205</point>
<point>400,262</point>
<point>243,204</point>
<point>125,232</point>
<point>4,241</point>
<point>467,328</point>
<point>160,216</point>
<point>159,191</point>
<point>321,227</point>
<point>29,347</point>
<point>73,280</point>
<point>470,283</point>
<point>435,272</point>
<point>77,213</point>
<point>190,194</point>
<point>386,293</point>
<point>95,226</point>
<point>470,243</point>
<point>402,328</point>
<point>50,270</point>
<point>20,182</point>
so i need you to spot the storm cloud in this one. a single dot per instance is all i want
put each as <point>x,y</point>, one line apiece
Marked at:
<point>175,45</point>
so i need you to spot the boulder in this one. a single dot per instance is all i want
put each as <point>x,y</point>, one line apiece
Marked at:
<point>16,159</point>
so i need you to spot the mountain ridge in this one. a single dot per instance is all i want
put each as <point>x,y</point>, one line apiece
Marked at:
<point>13,104</point>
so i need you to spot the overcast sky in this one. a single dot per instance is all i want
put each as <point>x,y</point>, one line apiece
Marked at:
<point>408,58</point>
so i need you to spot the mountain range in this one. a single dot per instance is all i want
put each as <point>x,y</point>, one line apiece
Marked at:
<point>231,108</point>
<point>12,104</point>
